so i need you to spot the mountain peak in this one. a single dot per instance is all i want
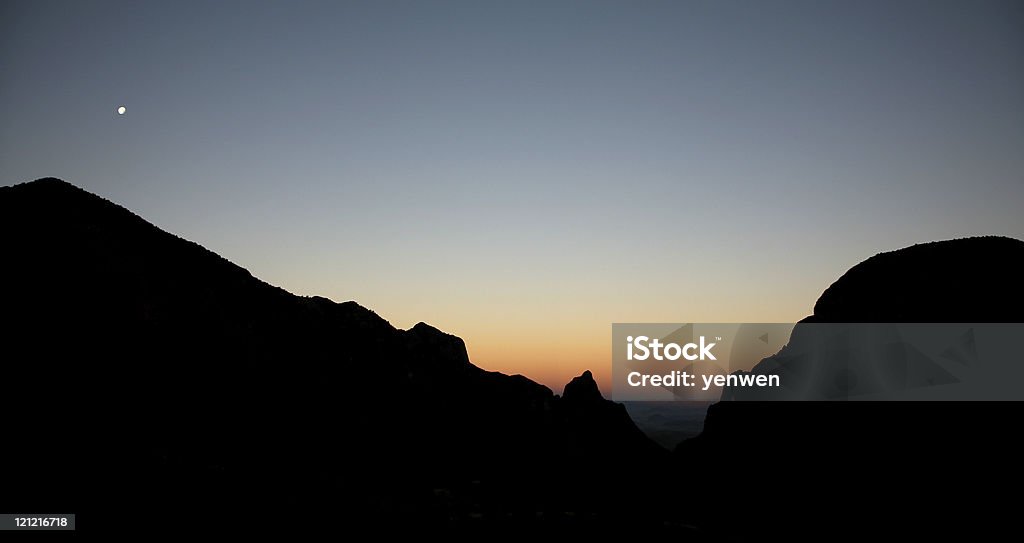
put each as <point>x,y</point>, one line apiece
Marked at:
<point>50,186</point>
<point>582,388</point>
<point>48,181</point>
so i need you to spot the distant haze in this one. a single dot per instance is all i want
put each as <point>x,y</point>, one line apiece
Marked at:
<point>523,174</point>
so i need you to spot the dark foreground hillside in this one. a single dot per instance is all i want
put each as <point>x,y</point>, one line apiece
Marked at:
<point>868,468</point>
<point>146,373</point>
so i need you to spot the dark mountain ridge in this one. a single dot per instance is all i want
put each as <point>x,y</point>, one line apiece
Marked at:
<point>187,382</point>
<point>865,468</point>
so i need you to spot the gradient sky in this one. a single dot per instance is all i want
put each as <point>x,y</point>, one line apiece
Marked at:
<point>523,174</point>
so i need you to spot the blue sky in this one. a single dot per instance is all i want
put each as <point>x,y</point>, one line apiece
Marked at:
<point>523,174</point>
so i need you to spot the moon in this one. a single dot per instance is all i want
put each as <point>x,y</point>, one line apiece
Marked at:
<point>121,110</point>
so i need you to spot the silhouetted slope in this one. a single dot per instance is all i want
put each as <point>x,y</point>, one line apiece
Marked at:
<point>927,468</point>
<point>962,280</point>
<point>157,376</point>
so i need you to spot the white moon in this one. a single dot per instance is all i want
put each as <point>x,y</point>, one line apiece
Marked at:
<point>120,110</point>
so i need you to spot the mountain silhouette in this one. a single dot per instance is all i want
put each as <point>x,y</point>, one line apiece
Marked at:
<point>854,347</point>
<point>148,375</point>
<point>152,384</point>
<point>962,280</point>
<point>864,468</point>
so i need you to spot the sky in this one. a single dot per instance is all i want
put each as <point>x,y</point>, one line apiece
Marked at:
<point>523,174</point>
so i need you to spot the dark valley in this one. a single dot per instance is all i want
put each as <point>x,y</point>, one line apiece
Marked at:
<point>147,378</point>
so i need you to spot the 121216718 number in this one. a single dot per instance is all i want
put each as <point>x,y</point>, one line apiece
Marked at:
<point>40,522</point>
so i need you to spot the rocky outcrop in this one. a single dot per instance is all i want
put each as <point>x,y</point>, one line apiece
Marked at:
<point>962,280</point>
<point>582,389</point>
